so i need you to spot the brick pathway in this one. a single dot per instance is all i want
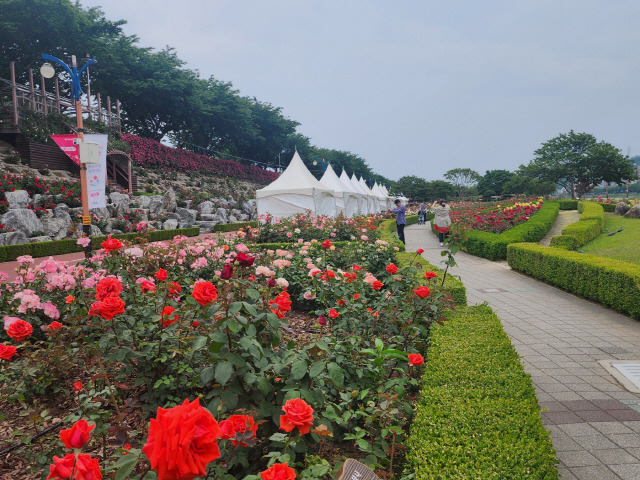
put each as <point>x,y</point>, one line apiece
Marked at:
<point>594,421</point>
<point>565,217</point>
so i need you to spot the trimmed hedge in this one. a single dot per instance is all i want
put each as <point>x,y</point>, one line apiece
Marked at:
<point>232,227</point>
<point>387,229</point>
<point>608,207</point>
<point>590,225</point>
<point>478,416</point>
<point>454,286</point>
<point>610,282</point>
<point>591,211</point>
<point>566,242</point>
<point>9,253</point>
<point>493,246</point>
<point>568,204</point>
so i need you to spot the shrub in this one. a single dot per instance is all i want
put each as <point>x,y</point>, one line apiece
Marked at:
<point>494,246</point>
<point>610,282</point>
<point>387,229</point>
<point>591,211</point>
<point>583,231</point>
<point>12,159</point>
<point>232,227</point>
<point>568,204</point>
<point>478,416</point>
<point>566,242</point>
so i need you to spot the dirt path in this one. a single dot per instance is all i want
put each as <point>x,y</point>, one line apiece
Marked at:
<point>565,217</point>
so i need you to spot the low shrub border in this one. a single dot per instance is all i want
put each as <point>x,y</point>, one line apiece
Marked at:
<point>477,416</point>
<point>591,211</point>
<point>568,204</point>
<point>232,227</point>
<point>493,246</point>
<point>607,281</point>
<point>388,229</point>
<point>454,286</point>
<point>590,225</point>
<point>9,253</point>
<point>566,242</point>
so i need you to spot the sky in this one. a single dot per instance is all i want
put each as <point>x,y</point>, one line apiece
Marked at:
<point>416,87</point>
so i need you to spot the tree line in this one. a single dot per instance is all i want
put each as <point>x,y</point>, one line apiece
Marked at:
<point>160,97</point>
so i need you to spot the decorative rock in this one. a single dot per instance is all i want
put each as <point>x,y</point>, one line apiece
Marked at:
<point>56,228</point>
<point>42,238</point>
<point>186,216</point>
<point>249,207</point>
<point>205,208</point>
<point>23,220</point>
<point>116,198</point>
<point>95,231</point>
<point>634,212</point>
<point>15,238</point>
<point>621,208</point>
<point>155,205</point>
<point>143,201</point>
<point>206,227</point>
<point>37,200</point>
<point>170,224</point>
<point>169,203</point>
<point>101,212</point>
<point>223,213</point>
<point>207,217</point>
<point>62,212</point>
<point>18,199</point>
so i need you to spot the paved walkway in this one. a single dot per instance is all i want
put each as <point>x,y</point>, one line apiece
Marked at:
<point>565,217</point>
<point>594,421</point>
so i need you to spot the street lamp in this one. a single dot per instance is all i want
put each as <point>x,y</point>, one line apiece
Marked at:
<point>48,71</point>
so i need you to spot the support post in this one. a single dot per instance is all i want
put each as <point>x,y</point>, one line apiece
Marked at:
<point>33,91</point>
<point>57,95</point>
<point>99,106</point>
<point>14,93</point>
<point>45,109</point>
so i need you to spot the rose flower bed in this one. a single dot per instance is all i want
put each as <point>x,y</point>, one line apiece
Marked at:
<point>495,217</point>
<point>176,361</point>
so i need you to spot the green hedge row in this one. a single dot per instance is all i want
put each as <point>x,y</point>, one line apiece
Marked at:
<point>566,242</point>
<point>387,230</point>
<point>232,227</point>
<point>591,211</point>
<point>590,225</point>
<point>478,416</point>
<point>608,207</point>
<point>9,253</point>
<point>454,286</point>
<point>568,204</point>
<point>610,282</point>
<point>494,246</point>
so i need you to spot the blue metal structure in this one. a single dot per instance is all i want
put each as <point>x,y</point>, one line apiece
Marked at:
<point>74,73</point>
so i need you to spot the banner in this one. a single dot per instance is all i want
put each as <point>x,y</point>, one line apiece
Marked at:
<point>65,142</point>
<point>97,172</point>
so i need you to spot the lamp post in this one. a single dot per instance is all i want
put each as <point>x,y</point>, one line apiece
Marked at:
<point>48,71</point>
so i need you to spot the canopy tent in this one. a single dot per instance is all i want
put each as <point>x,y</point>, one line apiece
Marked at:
<point>365,195</point>
<point>373,200</point>
<point>382,198</point>
<point>362,200</point>
<point>389,197</point>
<point>346,199</point>
<point>296,190</point>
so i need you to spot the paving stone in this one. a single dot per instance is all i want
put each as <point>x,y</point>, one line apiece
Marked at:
<point>579,458</point>
<point>595,472</point>
<point>625,440</point>
<point>612,427</point>
<point>594,442</point>
<point>614,456</point>
<point>630,471</point>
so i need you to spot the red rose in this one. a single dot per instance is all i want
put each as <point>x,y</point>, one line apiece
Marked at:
<point>356,296</point>
<point>281,304</point>
<point>244,259</point>
<point>7,351</point>
<point>377,285</point>
<point>110,307</point>
<point>53,326</point>
<point>430,275</point>
<point>108,287</point>
<point>69,299</point>
<point>166,313</point>
<point>422,292</point>
<point>204,292</point>
<point>333,313</point>
<point>243,428</point>
<point>78,435</point>
<point>111,244</point>
<point>279,471</point>
<point>356,268</point>
<point>77,386</point>
<point>20,330</point>
<point>174,288</point>
<point>227,271</point>
<point>83,468</point>
<point>182,441</point>
<point>326,244</point>
<point>147,286</point>
<point>392,268</point>
<point>420,251</point>
<point>415,359</point>
<point>297,413</point>
<point>161,274</point>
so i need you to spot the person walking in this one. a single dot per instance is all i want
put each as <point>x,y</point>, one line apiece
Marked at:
<point>422,214</point>
<point>441,220</point>
<point>400,220</point>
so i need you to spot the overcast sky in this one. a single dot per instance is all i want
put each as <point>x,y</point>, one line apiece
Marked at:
<point>416,87</point>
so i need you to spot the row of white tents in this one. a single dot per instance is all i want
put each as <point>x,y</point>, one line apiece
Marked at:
<point>296,190</point>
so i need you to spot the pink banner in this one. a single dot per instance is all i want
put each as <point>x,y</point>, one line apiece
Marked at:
<point>65,142</point>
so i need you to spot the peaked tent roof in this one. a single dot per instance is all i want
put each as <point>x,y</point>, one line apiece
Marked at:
<point>358,185</point>
<point>295,179</point>
<point>344,178</point>
<point>331,180</point>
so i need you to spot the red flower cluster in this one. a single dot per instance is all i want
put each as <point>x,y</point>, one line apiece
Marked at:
<point>108,304</point>
<point>111,244</point>
<point>281,304</point>
<point>167,319</point>
<point>392,268</point>
<point>7,351</point>
<point>245,260</point>
<point>20,330</point>
<point>278,471</point>
<point>76,466</point>
<point>204,292</point>
<point>239,428</point>
<point>297,414</point>
<point>422,292</point>
<point>415,359</point>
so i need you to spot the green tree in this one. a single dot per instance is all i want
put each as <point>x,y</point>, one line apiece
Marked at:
<point>439,189</point>
<point>493,181</point>
<point>578,163</point>
<point>462,179</point>
<point>523,185</point>
<point>415,188</point>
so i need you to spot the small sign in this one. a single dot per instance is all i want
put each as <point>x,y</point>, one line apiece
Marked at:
<point>68,144</point>
<point>354,470</point>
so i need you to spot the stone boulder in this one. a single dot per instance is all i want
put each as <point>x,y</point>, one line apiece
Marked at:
<point>223,213</point>
<point>143,201</point>
<point>206,226</point>
<point>169,203</point>
<point>41,238</point>
<point>101,213</point>
<point>18,199</point>
<point>23,220</point>
<point>13,238</point>
<point>634,212</point>
<point>95,231</point>
<point>186,217</point>
<point>621,208</point>
<point>56,228</point>
<point>170,224</point>
<point>61,212</point>
<point>206,208</point>
<point>155,205</point>
<point>249,207</point>
<point>116,198</point>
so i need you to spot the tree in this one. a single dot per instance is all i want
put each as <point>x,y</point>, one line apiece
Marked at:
<point>523,185</point>
<point>413,187</point>
<point>462,179</point>
<point>493,181</point>
<point>578,163</point>
<point>439,189</point>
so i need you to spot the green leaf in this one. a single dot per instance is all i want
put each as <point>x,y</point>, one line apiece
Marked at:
<point>223,372</point>
<point>206,375</point>
<point>379,344</point>
<point>253,293</point>
<point>250,309</point>
<point>316,369</point>
<point>198,343</point>
<point>299,369</point>
<point>234,326</point>
<point>336,374</point>
<point>125,466</point>
<point>235,307</point>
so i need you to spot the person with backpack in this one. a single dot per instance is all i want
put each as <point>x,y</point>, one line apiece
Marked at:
<point>441,220</point>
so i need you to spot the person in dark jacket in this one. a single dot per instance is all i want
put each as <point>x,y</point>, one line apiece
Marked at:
<point>400,220</point>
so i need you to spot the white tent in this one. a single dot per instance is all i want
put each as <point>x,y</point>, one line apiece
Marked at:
<point>389,197</point>
<point>364,208</point>
<point>373,201</point>
<point>362,200</point>
<point>382,198</point>
<point>346,199</point>
<point>296,190</point>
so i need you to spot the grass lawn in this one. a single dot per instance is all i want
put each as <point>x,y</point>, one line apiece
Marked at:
<point>623,246</point>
